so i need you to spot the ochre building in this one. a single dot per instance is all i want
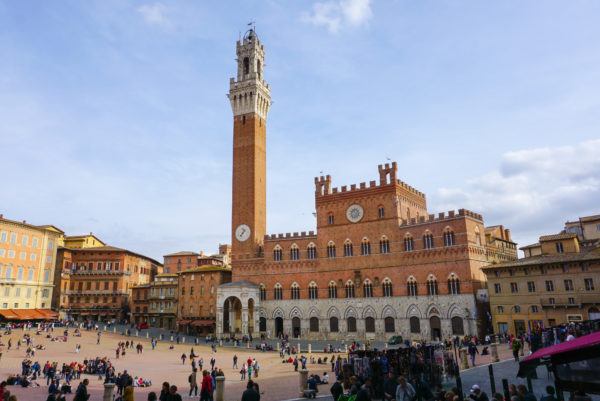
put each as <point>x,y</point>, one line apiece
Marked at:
<point>558,281</point>
<point>27,260</point>
<point>96,283</point>
<point>379,263</point>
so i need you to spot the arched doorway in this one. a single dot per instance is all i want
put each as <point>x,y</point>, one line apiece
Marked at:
<point>334,324</point>
<point>458,328</point>
<point>390,324</point>
<point>251,316</point>
<point>296,329</point>
<point>436,328</point>
<point>314,324</point>
<point>263,324</point>
<point>279,326</point>
<point>232,316</point>
<point>370,325</point>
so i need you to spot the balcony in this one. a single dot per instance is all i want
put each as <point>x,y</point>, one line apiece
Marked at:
<point>95,292</point>
<point>99,273</point>
<point>562,302</point>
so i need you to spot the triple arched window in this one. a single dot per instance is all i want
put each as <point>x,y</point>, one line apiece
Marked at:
<point>295,291</point>
<point>313,292</point>
<point>278,292</point>
<point>294,252</point>
<point>348,248</point>
<point>332,290</point>
<point>384,245</point>
<point>449,238</point>
<point>277,253</point>
<point>432,287</point>
<point>428,241</point>
<point>368,289</point>
<point>365,247</point>
<point>453,285</point>
<point>387,288</point>
<point>311,251</point>
<point>331,250</point>
<point>263,293</point>
<point>350,289</point>
<point>411,287</point>
<point>409,243</point>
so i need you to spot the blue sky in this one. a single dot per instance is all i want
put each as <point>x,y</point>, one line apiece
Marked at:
<point>113,115</point>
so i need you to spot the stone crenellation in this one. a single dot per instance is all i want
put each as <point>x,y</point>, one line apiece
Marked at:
<point>294,235</point>
<point>431,218</point>
<point>387,176</point>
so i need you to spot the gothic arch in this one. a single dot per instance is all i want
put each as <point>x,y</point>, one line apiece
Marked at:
<point>350,312</point>
<point>295,312</point>
<point>314,312</point>
<point>333,312</point>
<point>388,311</point>
<point>433,310</point>
<point>413,310</point>
<point>278,312</point>
<point>262,313</point>
<point>369,312</point>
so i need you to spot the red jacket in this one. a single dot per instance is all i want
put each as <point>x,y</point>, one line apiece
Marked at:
<point>206,384</point>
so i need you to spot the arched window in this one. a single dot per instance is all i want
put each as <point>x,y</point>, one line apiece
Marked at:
<point>278,292</point>
<point>246,65</point>
<point>332,290</point>
<point>365,247</point>
<point>384,245</point>
<point>411,287</point>
<point>311,251</point>
<point>427,241</point>
<point>313,290</point>
<point>380,212</point>
<point>415,325</point>
<point>277,253</point>
<point>517,309</point>
<point>258,68</point>
<point>349,289</point>
<point>457,326</point>
<point>330,219</point>
<point>432,287</point>
<point>449,237</point>
<point>369,325</point>
<point>389,324</point>
<point>294,252</point>
<point>295,291</point>
<point>351,323</point>
<point>334,324</point>
<point>387,288</point>
<point>409,243</point>
<point>348,248</point>
<point>262,324</point>
<point>368,289</point>
<point>314,324</point>
<point>331,250</point>
<point>453,285</point>
<point>263,293</point>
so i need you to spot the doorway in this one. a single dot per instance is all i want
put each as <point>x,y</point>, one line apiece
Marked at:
<point>436,328</point>
<point>279,326</point>
<point>296,330</point>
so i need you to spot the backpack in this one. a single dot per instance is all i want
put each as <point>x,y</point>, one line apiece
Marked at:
<point>190,378</point>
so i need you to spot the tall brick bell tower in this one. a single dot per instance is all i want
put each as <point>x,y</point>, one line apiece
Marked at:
<point>250,100</point>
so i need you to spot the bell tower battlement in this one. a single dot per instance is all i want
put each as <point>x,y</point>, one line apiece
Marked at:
<point>249,92</point>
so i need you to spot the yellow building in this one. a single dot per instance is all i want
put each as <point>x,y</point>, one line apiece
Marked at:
<point>80,241</point>
<point>558,281</point>
<point>27,260</point>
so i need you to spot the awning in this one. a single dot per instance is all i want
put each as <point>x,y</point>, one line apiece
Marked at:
<point>183,321</point>
<point>203,323</point>
<point>28,314</point>
<point>569,351</point>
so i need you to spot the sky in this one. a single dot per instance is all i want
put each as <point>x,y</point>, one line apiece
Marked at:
<point>114,117</point>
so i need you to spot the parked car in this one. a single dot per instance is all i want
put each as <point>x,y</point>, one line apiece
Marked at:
<point>395,340</point>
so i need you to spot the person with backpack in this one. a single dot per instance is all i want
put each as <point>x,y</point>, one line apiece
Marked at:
<point>193,382</point>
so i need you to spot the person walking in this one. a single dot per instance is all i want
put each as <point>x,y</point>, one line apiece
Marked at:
<point>516,346</point>
<point>473,351</point>
<point>81,394</point>
<point>243,372</point>
<point>183,357</point>
<point>193,382</point>
<point>235,359</point>
<point>206,388</point>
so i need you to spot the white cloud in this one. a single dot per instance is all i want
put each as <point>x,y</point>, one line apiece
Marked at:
<point>534,191</point>
<point>336,14</point>
<point>154,14</point>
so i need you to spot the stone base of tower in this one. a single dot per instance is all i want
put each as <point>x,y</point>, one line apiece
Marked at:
<point>238,306</point>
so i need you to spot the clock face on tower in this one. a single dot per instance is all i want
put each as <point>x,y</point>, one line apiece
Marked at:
<point>354,213</point>
<point>242,232</point>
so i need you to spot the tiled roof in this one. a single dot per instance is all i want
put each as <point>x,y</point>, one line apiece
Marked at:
<point>207,268</point>
<point>586,255</point>
<point>530,246</point>
<point>590,218</point>
<point>557,236</point>
<point>108,248</point>
<point>182,253</point>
